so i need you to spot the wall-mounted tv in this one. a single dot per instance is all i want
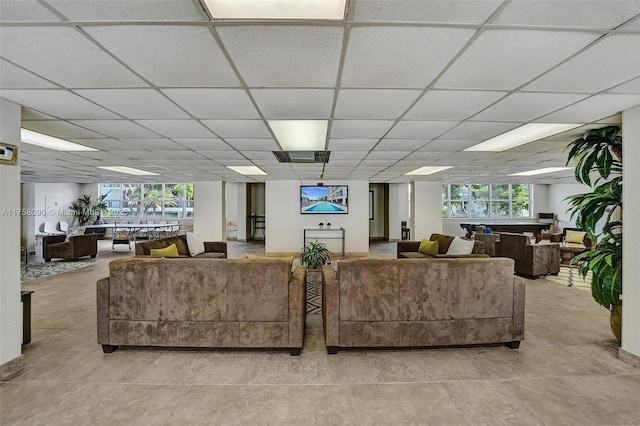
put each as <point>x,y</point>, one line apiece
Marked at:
<point>330,199</point>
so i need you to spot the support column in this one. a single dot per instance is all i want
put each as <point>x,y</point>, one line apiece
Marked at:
<point>10,318</point>
<point>426,209</point>
<point>630,350</point>
<point>209,210</point>
<point>398,209</point>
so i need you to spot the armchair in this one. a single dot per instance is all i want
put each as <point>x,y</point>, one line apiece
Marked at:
<point>77,246</point>
<point>531,260</point>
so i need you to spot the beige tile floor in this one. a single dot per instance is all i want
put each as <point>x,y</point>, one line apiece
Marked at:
<point>566,372</point>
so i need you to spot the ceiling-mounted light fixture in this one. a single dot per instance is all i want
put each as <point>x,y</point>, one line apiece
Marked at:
<point>522,135</point>
<point>127,170</point>
<point>46,141</point>
<point>333,10</point>
<point>300,135</point>
<point>247,170</point>
<point>427,170</point>
<point>542,171</point>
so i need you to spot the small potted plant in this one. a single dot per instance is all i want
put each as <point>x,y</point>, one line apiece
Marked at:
<point>313,255</point>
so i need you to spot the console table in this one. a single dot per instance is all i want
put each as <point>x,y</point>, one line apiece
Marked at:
<point>518,227</point>
<point>324,234</point>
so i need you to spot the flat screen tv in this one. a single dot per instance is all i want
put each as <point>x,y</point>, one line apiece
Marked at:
<point>330,199</point>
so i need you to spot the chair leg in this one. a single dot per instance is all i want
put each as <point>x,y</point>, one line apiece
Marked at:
<point>108,349</point>
<point>295,351</point>
<point>332,350</point>
<point>513,345</point>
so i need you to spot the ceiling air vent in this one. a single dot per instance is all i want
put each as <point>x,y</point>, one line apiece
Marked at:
<point>302,156</point>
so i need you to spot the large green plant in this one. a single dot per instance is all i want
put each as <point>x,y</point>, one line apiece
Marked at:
<point>314,254</point>
<point>598,163</point>
<point>86,209</point>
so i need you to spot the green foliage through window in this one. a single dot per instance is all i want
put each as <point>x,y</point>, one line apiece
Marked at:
<point>500,200</point>
<point>149,201</point>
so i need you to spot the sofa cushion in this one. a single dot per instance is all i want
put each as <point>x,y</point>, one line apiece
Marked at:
<point>195,242</point>
<point>285,258</point>
<point>460,246</point>
<point>575,237</point>
<point>444,241</point>
<point>211,255</point>
<point>171,250</point>
<point>414,255</point>
<point>429,247</point>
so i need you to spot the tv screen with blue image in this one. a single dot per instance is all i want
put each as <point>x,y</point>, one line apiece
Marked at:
<point>330,199</point>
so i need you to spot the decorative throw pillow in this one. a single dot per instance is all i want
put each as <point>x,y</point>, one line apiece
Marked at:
<point>576,237</point>
<point>170,251</point>
<point>429,247</point>
<point>460,246</point>
<point>444,241</point>
<point>195,242</point>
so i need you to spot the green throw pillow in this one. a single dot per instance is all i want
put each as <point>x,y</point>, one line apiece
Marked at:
<point>169,251</point>
<point>429,247</point>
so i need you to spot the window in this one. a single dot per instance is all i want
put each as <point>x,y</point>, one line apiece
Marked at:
<point>486,200</point>
<point>149,201</point>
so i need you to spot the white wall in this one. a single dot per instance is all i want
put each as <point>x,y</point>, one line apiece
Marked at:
<point>631,226</point>
<point>10,318</point>
<point>54,200</point>
<point>241,208</point>
<point>398,208</point>
<point>557,205</point>
<point>376,226</point>
<point>426,209</point>
<point>209,210</point>
<point>285,224</point>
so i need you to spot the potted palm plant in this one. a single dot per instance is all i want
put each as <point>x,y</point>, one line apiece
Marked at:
<point>598,164</point>
<point>313,255</point>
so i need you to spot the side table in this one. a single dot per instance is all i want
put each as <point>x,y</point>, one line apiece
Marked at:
<point>25,298</point>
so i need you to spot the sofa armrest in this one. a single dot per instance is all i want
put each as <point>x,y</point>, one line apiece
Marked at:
<point>102,302</point>
<point>216,247</point>
<point>330,306</point>
<point>519,286</point>
<point>406,246</point>
<point>297,307</point>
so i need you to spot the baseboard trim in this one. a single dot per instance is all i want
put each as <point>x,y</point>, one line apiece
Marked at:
<point>629,358</point>
<point>10,368</point>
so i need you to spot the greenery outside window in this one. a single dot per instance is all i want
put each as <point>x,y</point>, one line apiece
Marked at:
<point>149,201</point>
<point>486,200</point>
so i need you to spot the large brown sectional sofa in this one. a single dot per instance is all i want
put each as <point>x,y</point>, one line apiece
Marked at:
<point>409,249</point>
<point>201,302</point>
<point>210,248</point>
<point>422,302</point>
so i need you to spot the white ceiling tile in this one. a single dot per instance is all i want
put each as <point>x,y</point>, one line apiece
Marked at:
<point>176,128</point>
<point>293,104</point>
<point>261,155</point>
<point>60,129</point>
<point>452,104</point>
<point>134,103</point>
<point>387,155</point>
<point>359,129</point>
<point>223,155</point>
<point>238,128</point>
<point>204,144</point>
<point>58,103</point>
<point>179,154</point>
<point>279,56</point>
<point>593,109</point>
<point>378,164</point>
<point>348,155</point>
<point>30,114</point>
<point>104,144</point>
<point>151,144</point>
<point>374,103</point>
<point>538,146</point>
<point>400,144</point>
<point>568,13</point>
<point>14,77</point>
<point>399,56</point>
<point>52,52</point>
<point>527,106</point>
<point>506,59</point>
<point>633,25</point>
<point>26,10</point>
<point>214,103</point>
<point>181,56</point>
<point>351,144</point>
<point>478,130</point>
<point>440,11</point>
<point>254,144</point>
<point>421,129</point>
<point>632,86</point>
<point>127,10</point>
<point>588,73</point>
<point>116,128</point>
<point>440,145</point>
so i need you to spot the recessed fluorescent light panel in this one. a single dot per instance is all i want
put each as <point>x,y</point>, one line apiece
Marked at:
<point>46,141</point>
<point>300,135</point>
<point>542,171</point>
<point>428,170</point>
<point>333,10</point>
<point>247,170</point>
<point>522,135</point>
<point>127,170</point>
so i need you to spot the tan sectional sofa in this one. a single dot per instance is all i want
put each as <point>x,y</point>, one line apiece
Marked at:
<point>212,303</point>
<point>422,302</point>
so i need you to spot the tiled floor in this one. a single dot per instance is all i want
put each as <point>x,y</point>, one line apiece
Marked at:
<point>565,372</point>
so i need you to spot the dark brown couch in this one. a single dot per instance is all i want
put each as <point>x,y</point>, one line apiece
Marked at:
<point>210,248</point>
<point>54,246</point>
<point>531,260</point>
<point>200,302</point>
<point>409,249</point>
<point>422,302</point>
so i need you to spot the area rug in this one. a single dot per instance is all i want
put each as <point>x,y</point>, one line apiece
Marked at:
<point>570,277</point>
<point>39,270</point>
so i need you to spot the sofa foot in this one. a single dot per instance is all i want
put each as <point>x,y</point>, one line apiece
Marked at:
<point>93,256</point>
<point>295,351</point>
<point>332,350</point>
<point>513,345</point>
<point>48,260</point>
<point>108,349</point>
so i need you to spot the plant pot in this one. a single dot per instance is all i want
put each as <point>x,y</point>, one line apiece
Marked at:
<point>616,322</point>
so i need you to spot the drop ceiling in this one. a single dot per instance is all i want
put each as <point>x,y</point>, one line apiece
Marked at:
<point>158,85</point>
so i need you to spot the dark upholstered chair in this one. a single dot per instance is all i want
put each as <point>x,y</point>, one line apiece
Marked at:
<point>532,260</point>
<point>54,246</point>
